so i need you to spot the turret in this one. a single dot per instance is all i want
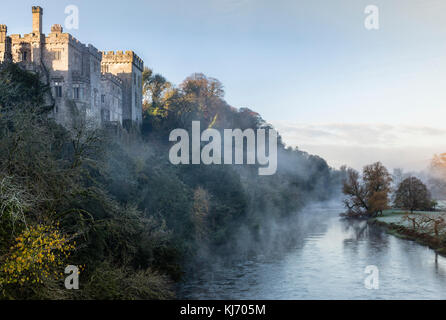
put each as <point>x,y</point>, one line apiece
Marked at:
<point>56,28</point>
<point>5,44</point>
<point>37,20</point>
<point>3,32</point>
<point>129,67</point>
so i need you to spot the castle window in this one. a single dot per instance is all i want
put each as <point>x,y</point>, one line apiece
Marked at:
<point>96,97</point>
<point>77,92</point>
<point>25,56</point>
<point>103,98</point>
<point>96,67</point>
<point>57,85</point>
<point>57,55</point>
<point>58,91</point>
<point>77,62</point>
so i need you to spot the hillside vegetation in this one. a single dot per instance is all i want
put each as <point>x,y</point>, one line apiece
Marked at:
<point>116,207</point>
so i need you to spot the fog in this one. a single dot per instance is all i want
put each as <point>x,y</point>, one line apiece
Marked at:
<point>410,147</point>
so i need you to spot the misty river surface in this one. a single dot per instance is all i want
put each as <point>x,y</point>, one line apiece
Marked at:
<point>328,261</point>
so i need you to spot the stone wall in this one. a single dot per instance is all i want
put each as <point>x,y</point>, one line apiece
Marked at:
<point>111,99</point>
<point>128,67</point>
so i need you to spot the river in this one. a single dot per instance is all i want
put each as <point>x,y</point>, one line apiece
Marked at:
<point>328,261</point>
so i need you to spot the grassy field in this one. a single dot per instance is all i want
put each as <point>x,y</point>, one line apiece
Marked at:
<point>392,220</point>
<point>395,216</point>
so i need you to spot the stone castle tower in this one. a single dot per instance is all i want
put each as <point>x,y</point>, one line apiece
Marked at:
<point>101,86</point>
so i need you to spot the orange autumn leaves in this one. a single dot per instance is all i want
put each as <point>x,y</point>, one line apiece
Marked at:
<point>438,165</point>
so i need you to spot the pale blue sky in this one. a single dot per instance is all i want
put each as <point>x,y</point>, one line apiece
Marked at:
<point>299,63</point>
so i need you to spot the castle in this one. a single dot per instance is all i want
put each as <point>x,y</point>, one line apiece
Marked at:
<point>105,87</point>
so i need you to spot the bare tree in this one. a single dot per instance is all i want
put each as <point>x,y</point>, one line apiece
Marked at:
<point>356,203</point>
<point>427,223</point>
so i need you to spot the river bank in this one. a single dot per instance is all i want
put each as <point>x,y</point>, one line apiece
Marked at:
<point>395,223</point>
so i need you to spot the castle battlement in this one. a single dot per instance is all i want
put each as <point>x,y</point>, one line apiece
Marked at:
<point>56,28</point>
<point>95,52</point>
<point>76,43</point>
<point>26,38</point>
<point>122,57</point>
<point>57,37</point>
<point>37,9</point>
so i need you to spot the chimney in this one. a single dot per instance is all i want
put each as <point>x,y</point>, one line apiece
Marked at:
<point>37,20</point>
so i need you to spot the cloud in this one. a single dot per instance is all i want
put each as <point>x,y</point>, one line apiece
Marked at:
<point>407,146</point>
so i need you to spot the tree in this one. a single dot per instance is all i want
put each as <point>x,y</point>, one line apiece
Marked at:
<point>437,179</point>
<point>155,88</point>
<point>377,182</point>
<point>398,176</point>
<point>377,178</point>
<point>201,86</point>
<point>356,203</point>
<point>206,96</point>
<point>23,90</point>
<point>427,223</point>
<point>368,196</point>
<point>154,85</point>
<point>438,165</point>
<point>412,194</point>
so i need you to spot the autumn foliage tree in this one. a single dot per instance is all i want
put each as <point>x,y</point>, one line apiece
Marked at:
<point>369,194</point>
<point>39,253</point>
<point>437,180</point>
<point>438,165</point>
<point>198,97</point>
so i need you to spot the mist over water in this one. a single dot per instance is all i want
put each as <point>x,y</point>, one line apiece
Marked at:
<point>326,259</point>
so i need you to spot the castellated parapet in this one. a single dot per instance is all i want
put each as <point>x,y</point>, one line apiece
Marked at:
<point>123,57</point>
<point>56,28</point>
<point>101,86</point>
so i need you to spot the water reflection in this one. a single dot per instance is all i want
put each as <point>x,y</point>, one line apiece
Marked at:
<point>326,260</point>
